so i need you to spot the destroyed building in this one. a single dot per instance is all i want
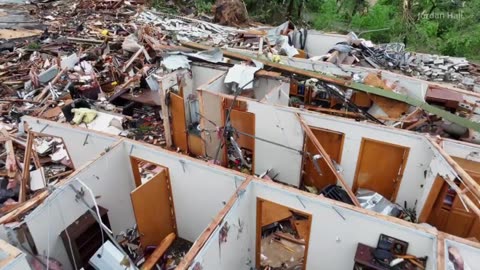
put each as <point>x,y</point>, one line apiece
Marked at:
<point>135,139</point>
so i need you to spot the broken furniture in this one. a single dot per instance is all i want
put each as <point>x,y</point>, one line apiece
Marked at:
<point>84,236</point>
<point>390,253</point>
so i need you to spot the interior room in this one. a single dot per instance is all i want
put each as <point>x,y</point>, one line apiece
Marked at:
<point>331,232</point>
<point>460,255</point>
<point>142,194</point>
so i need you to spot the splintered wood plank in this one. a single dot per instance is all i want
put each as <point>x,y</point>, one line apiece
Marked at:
<point>153,207</point>
<point>179,124</point>
<point>159,251</point>
<point>272,212</point>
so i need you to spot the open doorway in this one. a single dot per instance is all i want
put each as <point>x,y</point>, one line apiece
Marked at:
<point>316,172</point>
<point>156,226</point>
<point>240,144</point>
<point>282,236</point>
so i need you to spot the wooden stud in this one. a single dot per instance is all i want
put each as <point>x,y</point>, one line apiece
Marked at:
<point>207,233</point>
<point>441,251</point>
<point>327,159</point>
<point>165,117</point>
<point>26,168</point>
<point>159,251</point>
<point>466,179</point>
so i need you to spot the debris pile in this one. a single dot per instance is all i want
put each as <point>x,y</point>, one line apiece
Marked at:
<point>393,56</point>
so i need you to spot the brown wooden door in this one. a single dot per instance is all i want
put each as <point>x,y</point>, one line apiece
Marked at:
<point>380,167</point>
<point>179,124</point>
<point>244,122</point>
<point>153,207</point>
<point>332,142</point>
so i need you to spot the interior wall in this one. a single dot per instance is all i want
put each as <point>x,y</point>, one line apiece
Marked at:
<point>236,252</point>
<point>470,255</point>
<point>263,85</point>
<point>202,74</point>
<point>111,180</point>
<point>217,86</point>
<point>414,87</point>
<point>337,230</point>
<point>83,146</point>
<point>278,96</point>
<point>199,191</point>
<point>211,110</point>
<point>280,125</point>
<point>462,150</point>
<point>334,230</point>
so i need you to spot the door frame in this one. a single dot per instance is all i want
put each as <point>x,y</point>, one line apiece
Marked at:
<point>400,174</point>
<point>305,138</point>
<point>435,190</point>
<point>258,232</point>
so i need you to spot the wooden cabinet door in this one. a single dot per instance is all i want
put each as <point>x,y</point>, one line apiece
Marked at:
<point>459,223</point>
<point>179,124</point>
<point>153,207</point>
<point>380,167</point>
<point>332,142</point>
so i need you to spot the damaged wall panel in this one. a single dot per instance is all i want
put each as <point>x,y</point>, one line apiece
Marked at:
<point>278,96</point>
<point>192,182</point>
<point>82,145</point>
<point>111,180</point>
<point>231,248</point>
<point>332,230</point>
<point>211,110</point>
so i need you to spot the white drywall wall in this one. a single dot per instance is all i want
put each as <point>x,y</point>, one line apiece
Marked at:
<point>414,87</point>
<point>19,263</point>
<point>199,191</point>
<point>470,255</point>
<point>418,159</point>
<point>238,252</point>
<point>110,178</point>
<point>82,149</point>
<point>263,85</point>
<point>278,96</point>
<point>202,74</point>
<point>462,150</point>
<point>334,236</point>
<point>279,124</point>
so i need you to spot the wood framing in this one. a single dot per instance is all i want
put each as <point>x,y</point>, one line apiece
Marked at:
<point>432,197</point>
<point>217,222</point>
<point>329,162</point>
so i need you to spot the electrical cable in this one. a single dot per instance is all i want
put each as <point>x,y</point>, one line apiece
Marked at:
<point>227,119</point>
<point>97,210</point>
<point>333,92</point>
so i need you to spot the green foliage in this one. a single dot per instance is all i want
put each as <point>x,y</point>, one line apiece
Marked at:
<point>450,27</point>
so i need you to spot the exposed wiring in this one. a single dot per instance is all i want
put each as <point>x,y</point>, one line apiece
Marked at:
<point>96,209</point>
<point>68,236</point>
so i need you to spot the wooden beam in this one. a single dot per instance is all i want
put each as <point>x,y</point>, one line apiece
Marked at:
<point>26,168</point>
<point>441,251</point>
<point>207,233</point>
<point>165,117</point>
<point>11,160</point>
<point>349,84</point>
<point>44,92</point>
<point>469,182</point>
<point>327,159</point>
<point>159,251</point>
